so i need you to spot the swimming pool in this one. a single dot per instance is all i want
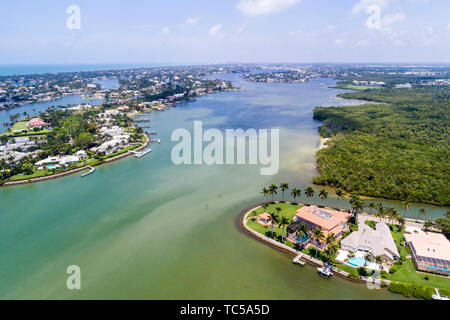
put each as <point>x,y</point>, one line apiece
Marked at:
<point>51,166</point>
<point>302,239</point>
<point>358,262</point>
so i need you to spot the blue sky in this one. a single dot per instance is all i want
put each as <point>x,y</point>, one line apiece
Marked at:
<point>212,31</point>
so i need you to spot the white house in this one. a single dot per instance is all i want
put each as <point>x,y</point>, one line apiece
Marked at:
<point>377,242</point>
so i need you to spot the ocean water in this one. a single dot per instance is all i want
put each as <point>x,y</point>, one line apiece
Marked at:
<point>140,229</point>
<point>11,69</point>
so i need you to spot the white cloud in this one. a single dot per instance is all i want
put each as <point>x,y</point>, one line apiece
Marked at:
<point>214,31</point>
<point>329,28</point>
<point>260,7</point>
<point>296,33</point>
<point>362,43</point>
<point>165,30</point>
<point>191,21</point>
<point>362,5</point>
<point>338,41</point>
<point>389,19</point>
<point>241,28</point>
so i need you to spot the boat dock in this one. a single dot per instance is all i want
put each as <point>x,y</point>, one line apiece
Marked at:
<point>92,169</point>
<point>153,133</point>
<point>297,260</point>
<point>139,154</point>
<point>155,140</point>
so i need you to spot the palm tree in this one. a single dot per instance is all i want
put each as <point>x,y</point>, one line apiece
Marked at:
<point>339,193</point>
<point>302,229</point>
<point>331,239</point>
<point>378,259</point>
<point>392,214</point>
<point>273,190</point>
<point>278,209</point>
<point>422,212</point>
<point>309,192</point>
<point>323,194</point>
<point>283,187</point>
<point>274,219</point>
<point>357,205</point>
<point>428,225</point>
<point>253,215</point>
<point>331,250</point>
<point>295,193</point>
<point>367,257</point>
<point>380,211</point>
<point>401,221</point>
<point>317,235</point>
<point>282,224</point>
<point>265,192</point>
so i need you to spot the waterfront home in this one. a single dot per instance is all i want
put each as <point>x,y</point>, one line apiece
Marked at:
<point>330,221</point>
<point>264,218</point>
<point>430,252</point>
<point>81,154</point>
<point>47,161</point>
<point>58,161</point>
<point>109,146</point>
<point>378,242</point>
<point>36,123</point>
<point>66,160</point>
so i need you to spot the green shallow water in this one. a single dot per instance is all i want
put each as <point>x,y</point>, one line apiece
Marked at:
<point>139,229</point>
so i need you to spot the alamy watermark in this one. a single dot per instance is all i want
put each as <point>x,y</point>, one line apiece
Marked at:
<point>230,148</point>
<point>374,20</point>
<point>73,22</point>
<point>73,281</point>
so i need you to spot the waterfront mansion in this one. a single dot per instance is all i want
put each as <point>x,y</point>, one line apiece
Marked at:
<point>378,242</point>
<point>330,221</point>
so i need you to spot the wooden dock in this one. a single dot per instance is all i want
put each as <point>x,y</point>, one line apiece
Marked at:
<point>297,260</point>
<point>139,154</point>
<point>92,169</point>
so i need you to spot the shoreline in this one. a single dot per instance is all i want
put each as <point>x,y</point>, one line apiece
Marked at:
<point>69,172</point>
<point>305,258</point>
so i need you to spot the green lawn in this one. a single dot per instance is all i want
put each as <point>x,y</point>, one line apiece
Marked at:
<point>36,174</point>
<point>288,210</point>
<point>407,273</point>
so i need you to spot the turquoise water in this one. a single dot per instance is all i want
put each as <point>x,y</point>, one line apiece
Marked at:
<point>357,261</point>
<point>140,229</point>
<point>302,239</point>
<point>51,166</point>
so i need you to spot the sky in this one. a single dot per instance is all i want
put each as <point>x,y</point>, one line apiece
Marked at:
<point>226,31</point>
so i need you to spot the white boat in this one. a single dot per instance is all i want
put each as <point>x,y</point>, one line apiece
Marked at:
<point>325,272</point>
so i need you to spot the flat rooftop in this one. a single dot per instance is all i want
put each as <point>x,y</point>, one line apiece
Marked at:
<point>430,245</point>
